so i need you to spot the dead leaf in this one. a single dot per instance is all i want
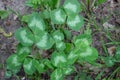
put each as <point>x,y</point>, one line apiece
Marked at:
<point>111,50</point>
<point>107,25</point>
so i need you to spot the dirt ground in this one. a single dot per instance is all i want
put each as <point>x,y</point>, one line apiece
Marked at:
<point>7,44</point>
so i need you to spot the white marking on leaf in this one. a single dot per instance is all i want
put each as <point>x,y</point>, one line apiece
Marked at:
<point>57,37</point>
<point>58,16</point>
<point>23,35</point>
<point>60,45</point>
<point>87,53</point>
<point>118,52</point>
<point>43,41</point>
<point>59,59</point>
<point>71,6</point>
<point>74,22</point>
<point>36,23</point>
<point>28,66</point>
<point>15,60</point>
<point>25,49</point>
<point>68,70</point>
<point>57,76</point>
<point>72,55</point>
<point>84,40</point>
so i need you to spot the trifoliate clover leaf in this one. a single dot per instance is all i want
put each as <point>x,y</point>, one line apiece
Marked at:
<point>44,40</point>
<point>57,75</point>
<point>58,16</point>
<point>75,22</point>
<point>28,66</point>
<point>36,23</point>
<point>13,63</point>
<point>60,46</point>
<point>24,36</point>
<point>58,35</point>
<point>72,7</point>
<point>58,59</point>
<point>89,54</point>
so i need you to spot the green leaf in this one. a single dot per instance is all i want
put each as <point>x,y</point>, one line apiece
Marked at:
<point>36,23</point>
<point>82,40</point>
<point>28,66</point>
<point>25,18</point>
<point>58,35</point>
<point>87,32</point>
<point>73,56</point>
<point>68,34</point>
<point>57,75</point>
<point>117,54</point>
<point>8,74</point>
<point>33,3</point>
<point>69,47</point>
<point>75,22</point>
<point>85,35</point>
<point>83,76</point>
<point>109,61</point>
<point>72,7</point>
<point>89,54</point>
<point>24,36</point>
<point>55,3</point>
<point>13,63</point>
<point>46,14</point>
<point>60,46</point>
<point>39,66</point>
<point>4,14</point>
<point>22,49</point>
<point>47,3</point>
<point>48,63</point>
<point>101,1</point>
<point>44,41</point>
<point>82,43</point>
<point>58,59</point>
<point>68,70</point>
<point>22,52</point>
<point>58,16</point>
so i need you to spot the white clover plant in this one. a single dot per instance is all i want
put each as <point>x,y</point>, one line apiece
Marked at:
<point>49,30</point>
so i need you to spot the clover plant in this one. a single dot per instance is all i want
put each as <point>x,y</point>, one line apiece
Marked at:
<point>49,30</point>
